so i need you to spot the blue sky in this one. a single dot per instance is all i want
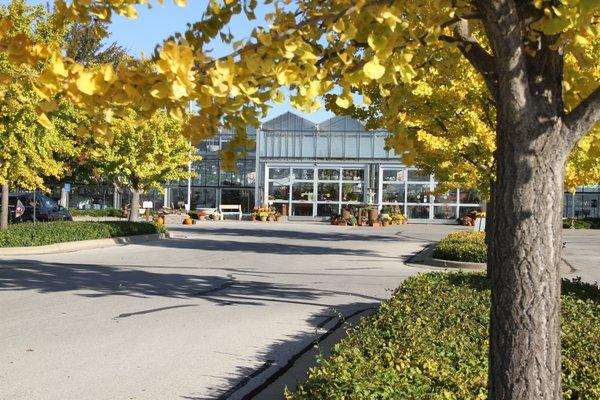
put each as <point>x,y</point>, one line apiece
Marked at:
<point>155,24</point>
<point>159,22</point>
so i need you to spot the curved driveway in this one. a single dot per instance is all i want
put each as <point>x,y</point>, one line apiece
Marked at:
<point>209,314</point>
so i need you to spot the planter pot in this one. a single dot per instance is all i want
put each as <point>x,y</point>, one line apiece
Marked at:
<point>404,222</point>
<point>342,223</point>
<point>252,218</point>
<point>375,224</point>
<point>373,215</point>
<point>202,217</point>
<point>385,223</point>
<point>263,219</point>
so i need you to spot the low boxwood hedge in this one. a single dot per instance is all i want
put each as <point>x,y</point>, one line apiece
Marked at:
<point>43,233</point>
<point>462,246</point>
<point>430,341</point>
<point>581,223</point>
<point>107,212</point>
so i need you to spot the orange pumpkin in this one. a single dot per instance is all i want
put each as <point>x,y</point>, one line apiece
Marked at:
<point>188,221</point>
<point>160,221</point>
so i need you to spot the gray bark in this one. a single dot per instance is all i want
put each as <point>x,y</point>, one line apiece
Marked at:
<point>4,210</point>
<point>134,211</point>
<point>524,228</point>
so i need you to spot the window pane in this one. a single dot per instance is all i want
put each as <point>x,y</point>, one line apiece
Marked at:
<point>444,212</point>
<point>393,175</point>
<point>449,197</point>
<point>393,193</point>
<point>304,174</point>
<point>416,176</point>
<point>366,146</point>
<point>352,192</point>
<point>418,212</point>
<point>302,191</point>
<point>417,193</point>
<point>279,173</point>
<point>470,196</point>
<point>353,174</point>
<point>305,210</point>
<point>278,192</point>
<point>327,210</point>
<point>204,197</point>
<point>329,174</point>
<point>328,192</point>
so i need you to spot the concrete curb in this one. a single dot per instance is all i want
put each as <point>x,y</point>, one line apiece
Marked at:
<point>425,258</point>
<point>67,247</point>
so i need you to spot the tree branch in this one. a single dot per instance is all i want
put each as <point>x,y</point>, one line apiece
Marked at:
<point>483,61</point>
<point>583,117</point>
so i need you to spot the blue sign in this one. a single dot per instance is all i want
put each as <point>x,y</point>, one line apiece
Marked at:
<point>67,187</point>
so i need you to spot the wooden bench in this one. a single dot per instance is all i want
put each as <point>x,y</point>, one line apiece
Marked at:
<point>230,209</point>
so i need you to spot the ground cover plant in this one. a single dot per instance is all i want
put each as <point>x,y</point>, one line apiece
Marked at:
<point>29,234</point>
<point>462,246</point>
<point>430,341</point>
<point>107,212</point>
<point>582,223</point>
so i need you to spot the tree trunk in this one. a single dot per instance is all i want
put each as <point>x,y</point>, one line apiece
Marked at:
<point>134,210</point>
<point>4,215</point>
<point>524,264</point>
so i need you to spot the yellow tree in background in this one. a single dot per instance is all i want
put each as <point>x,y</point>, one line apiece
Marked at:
<point>143,153</point>
<point>30,152</point>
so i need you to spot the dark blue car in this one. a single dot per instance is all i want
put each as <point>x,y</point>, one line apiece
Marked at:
<point>21,206</point>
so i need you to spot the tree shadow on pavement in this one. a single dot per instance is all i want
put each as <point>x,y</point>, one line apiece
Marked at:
<point>280,356</point>
<point>360,234</point>
<point>102,280</point>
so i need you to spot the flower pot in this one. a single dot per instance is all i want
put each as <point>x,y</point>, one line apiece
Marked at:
<point>263,219</point>
<point>375,224</point>
<point>252,218</point>
<point>373,214</point>
<point>385,223</point>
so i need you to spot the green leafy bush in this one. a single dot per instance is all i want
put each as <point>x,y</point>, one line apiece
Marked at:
<point>462,246</point>
<point>430,341</point>
<point>29,234</point>
<point>582,223</point>
<point>107,212</point>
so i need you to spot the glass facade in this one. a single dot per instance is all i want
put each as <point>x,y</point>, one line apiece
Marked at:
<point>314,171</point>
<point>583,203</point>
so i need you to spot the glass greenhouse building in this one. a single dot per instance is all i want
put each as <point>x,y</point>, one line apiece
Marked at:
<point>313,170</point>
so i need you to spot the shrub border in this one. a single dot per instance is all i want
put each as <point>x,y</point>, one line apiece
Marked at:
<point>65,247</point>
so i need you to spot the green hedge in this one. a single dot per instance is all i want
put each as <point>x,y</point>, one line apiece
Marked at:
<point>462,246</point>
<point>430,341</point>
<point>29,234</point>
<point>107,212</point>
<point>582,223</point>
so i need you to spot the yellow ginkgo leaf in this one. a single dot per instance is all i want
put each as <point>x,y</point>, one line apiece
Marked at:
<point>373,69</point>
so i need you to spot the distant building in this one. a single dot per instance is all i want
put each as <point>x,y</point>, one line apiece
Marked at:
<point>314,170</point>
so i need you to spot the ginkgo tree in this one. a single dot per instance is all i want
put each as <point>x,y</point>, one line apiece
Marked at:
<point>537,60</point>
<point>143,153</point>
<point>30,152</point>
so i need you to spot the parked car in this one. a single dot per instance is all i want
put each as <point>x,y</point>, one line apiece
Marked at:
<point>46,209</point>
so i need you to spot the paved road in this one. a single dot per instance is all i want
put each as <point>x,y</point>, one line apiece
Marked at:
<point>207,315</point>
<point>187,318</point>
